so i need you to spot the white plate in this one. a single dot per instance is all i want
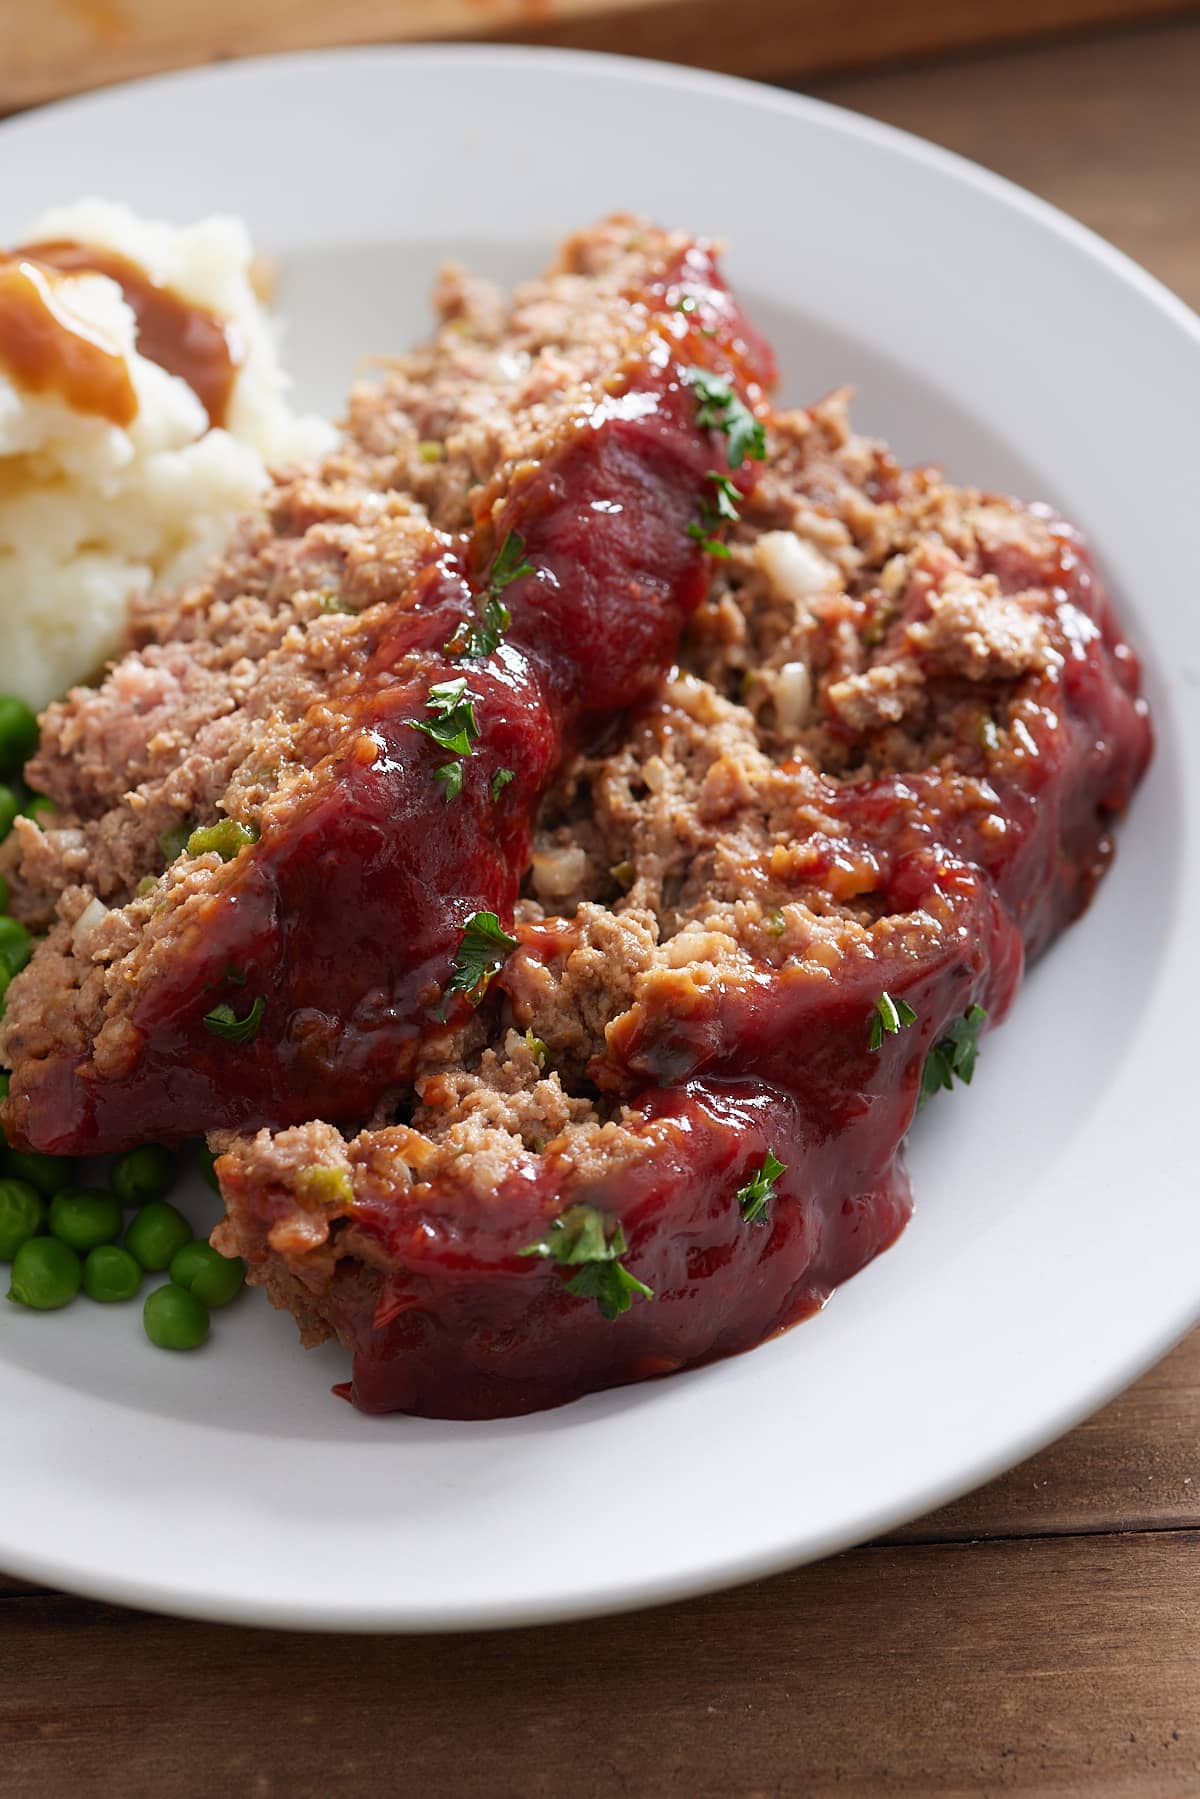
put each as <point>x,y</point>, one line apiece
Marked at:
<point>1056,1247</point>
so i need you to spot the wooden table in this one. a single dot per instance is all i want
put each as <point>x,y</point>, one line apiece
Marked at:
<point>1041,1636</point>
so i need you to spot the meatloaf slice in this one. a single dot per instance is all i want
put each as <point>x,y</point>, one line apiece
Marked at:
<point>756,927</point>
<point>381,741</point>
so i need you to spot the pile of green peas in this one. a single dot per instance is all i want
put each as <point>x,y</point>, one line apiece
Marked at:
<point>62,1237</point>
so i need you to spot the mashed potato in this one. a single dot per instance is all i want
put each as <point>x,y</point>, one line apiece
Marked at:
<point>90,512</point>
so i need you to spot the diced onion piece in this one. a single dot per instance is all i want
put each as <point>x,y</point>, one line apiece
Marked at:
<point>654,773</point>
<point>558,871</point>
<point>93,914</point>
<point>793,696</point>
<point>795,570</point>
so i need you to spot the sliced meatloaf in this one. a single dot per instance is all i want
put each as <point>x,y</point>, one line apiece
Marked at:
<point>758,926</point>
<point>759,891</point>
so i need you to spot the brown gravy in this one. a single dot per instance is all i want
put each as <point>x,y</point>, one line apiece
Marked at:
<point>48,349</point>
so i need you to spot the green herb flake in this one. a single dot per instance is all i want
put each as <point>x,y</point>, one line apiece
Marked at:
<point>500,781</point>
<point>450,775</point>
<point>536,1048</point>
<point>890,1016</point>
<point>711,545</point>
<point>953,1056</point>
<point>727,498</point>
<point>329,601</point>
<point>224,1022</point>
<point>146,885</point>
<point>510,563</point>
<point>719,408</point>
<point>484,948</point>
<point>453,726</point>
<point>430,450</point>
<point>482,638</point>
<point>587,1239</point>
<point>722,506</point>
<point>759,1190</point>
<point>226,837</point>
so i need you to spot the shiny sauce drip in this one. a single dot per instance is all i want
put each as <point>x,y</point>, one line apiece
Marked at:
<point>46,348</point>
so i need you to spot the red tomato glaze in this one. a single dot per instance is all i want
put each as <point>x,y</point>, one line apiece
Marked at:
<point>465,1327</point>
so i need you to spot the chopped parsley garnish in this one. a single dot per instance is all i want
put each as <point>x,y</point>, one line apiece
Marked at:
<point>719,408</point>
<point>450,776</point>
<point>712,545</point>
<point>329,601</point>
<point>759,1190</point>
<point>727,497</point>
<point>510,563</point>
<point>723,505</point>
<point>224,1022</point>
<point>890,1015</point>
<point>536,1047</point>
<point>953,1056</point>
<point>500,781</point>
<point>483,637</point>
<point>583,1237</point>
<point>453,725</point>
<point>483,950</point>
<point>226,837</point>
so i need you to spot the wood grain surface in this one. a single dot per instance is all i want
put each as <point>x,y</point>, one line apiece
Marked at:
<point>1040,1637</point>
<point>53,47</point>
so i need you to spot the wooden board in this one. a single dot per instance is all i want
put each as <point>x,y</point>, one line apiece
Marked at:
<point>916,1670</point>
<point>58,47</point>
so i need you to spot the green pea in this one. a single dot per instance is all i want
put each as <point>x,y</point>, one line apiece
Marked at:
<point>45,1274</point>
<point>157,1234</point>
<point>110,1274</point>
<point>49,1174</point>
<point>142,1174</point>
<point>16,945</point>
<point>204,1271</point>
<point>204,1163</point>
<point>9,807</point>
<point>18,733</point>
<point>22,1214</point>
<point>174,1318</point>
<point>3,894</point>
<point>85,1217</point>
